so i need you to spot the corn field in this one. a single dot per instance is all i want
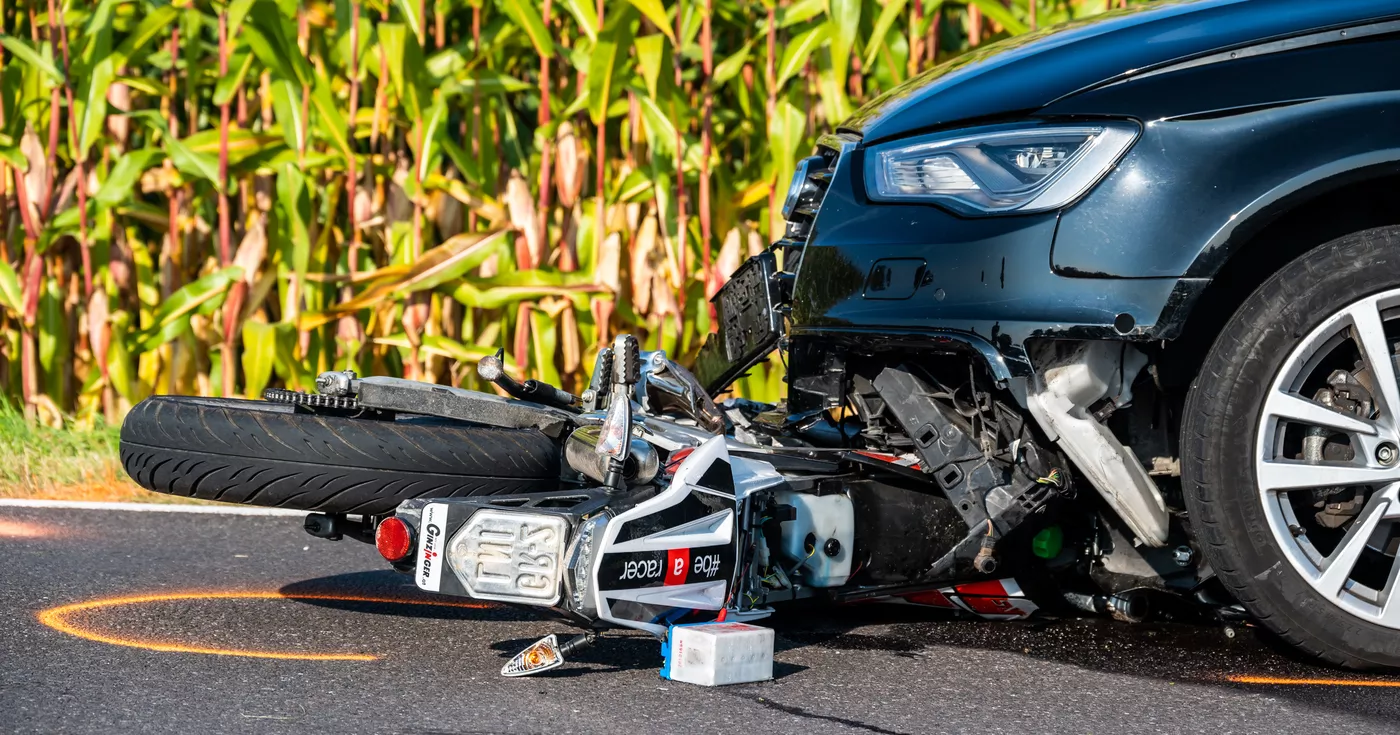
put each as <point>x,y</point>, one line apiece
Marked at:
<point>211,198</point>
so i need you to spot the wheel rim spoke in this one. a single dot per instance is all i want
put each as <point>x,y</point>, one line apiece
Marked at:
<point>1376,351</point>
<point>1276,475</point>
<point>1390,600</point>
<point>1294,408</point>
<point>1340,563</point>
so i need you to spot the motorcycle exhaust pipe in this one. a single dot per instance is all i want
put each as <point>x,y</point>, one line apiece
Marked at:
<point>580,451</point>
<point>1130,606</point>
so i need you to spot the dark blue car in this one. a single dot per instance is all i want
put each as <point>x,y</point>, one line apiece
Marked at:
<point>1167,239</point>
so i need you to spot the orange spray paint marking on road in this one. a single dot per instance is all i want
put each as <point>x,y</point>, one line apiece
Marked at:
<point>20,529</point>
<point>57,618</point>
<point>1283,681</point>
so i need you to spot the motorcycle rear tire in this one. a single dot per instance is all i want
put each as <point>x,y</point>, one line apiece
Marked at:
<point>271,454</point>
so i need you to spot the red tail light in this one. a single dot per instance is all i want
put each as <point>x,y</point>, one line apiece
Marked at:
<point>394,539</point>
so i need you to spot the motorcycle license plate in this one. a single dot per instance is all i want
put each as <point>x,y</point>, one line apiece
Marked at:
<point>749,324</point>
<point>507,556</point>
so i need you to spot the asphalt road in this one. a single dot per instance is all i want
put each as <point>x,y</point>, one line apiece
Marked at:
<point>400,666</point>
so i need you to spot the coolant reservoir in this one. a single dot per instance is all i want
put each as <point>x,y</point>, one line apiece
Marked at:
<point>821,536</point>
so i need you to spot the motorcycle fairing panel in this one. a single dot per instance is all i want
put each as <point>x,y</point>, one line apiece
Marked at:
<point>676,551</point>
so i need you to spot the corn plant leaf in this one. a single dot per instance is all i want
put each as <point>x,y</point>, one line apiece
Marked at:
<point>54,344</point>
<point>579,104</point>
<point>800,12</point>
<point>119,373</point>
<point>11,296</point>
<point>230,83</point>
<point>463,192</point>
<point>267,38</point>
<point>14,156</point>
<point>661,134</point>
<point>286,364</point>
<point>637,186</point>
<point>544,339</point>
<point>409,9</point>
<point>889,14</point>
<point>655,12</point>
<point>125,173</point>
<point>843,17</point>
<point>585,16</point>
<point>91,103</point>
<point>407,68</point>
<point>436,344</point>
<point>295,215</point>
<point>237,13</point>
<point>994,10</point>
<point>484,81</point>
<point>443,263</point>
<point>526,17</point>
<point>652,58</point>
<point>95,41</point>
<point>600,78</point>
<point>391,44</point>
<point>147,85</point>
<point>259,354</point>
<point>155,21</point>
<point>606,65</point>
<point>286,106</point>
<point>785,132</point>
<point>496,297</point>
<point>199,165</point>
<point>27,54</point>
<point>432,126</point>
<point>732,64</point>
<point>332,123</point>
<point>173,317</point>
<point>241,142</point>
<point>799,50</point>
<point>92,71</point>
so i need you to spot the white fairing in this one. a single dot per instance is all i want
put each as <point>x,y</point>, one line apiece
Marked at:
<point>1071,377</point>
<point>713,530</point>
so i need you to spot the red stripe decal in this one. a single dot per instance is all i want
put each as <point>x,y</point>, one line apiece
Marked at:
<point>677,565</point>
<point>932,598</point>
<point>987,588</point>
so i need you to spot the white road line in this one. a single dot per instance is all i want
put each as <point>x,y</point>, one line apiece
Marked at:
<point>226,510</point>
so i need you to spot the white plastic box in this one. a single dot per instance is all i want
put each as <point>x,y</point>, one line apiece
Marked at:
<point>713,654</point>
<point>825,518</point>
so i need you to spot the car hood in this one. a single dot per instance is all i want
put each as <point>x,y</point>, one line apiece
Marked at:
<point>1027,72</point>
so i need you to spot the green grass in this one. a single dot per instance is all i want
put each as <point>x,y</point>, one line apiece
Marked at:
<point>71,463</point>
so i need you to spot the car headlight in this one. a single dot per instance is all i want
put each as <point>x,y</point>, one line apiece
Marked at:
<point>998,170</point>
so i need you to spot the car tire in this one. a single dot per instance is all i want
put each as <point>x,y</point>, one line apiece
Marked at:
<point>1227,427</point>
<point>271,454</point>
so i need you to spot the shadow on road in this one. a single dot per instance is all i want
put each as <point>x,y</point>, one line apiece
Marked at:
<point>1168,651</point>
<point>386,584</point>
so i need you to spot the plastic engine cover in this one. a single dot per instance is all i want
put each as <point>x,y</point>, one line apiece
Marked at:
<point>822,536</point>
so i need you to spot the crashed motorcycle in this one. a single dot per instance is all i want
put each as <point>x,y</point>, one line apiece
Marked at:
<point>1099,320</point>
<point>670,508</point>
